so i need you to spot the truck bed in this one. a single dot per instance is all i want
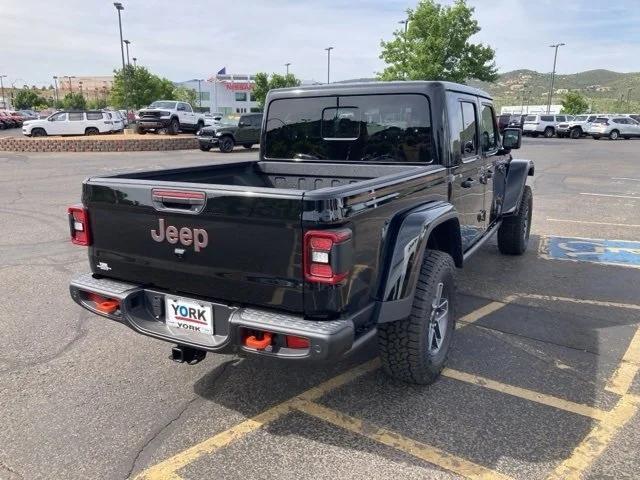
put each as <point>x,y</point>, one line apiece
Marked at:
<point>305,176</point>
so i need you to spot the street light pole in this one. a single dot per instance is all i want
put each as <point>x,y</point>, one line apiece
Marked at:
<point>328,49</point>
<point>127,42</point>
<point>629,99</point>
<point>80,83</point>
<point>404,58</point>
<point>119,8</point>
<point>524,91</point>
<point>287,65</point>
<point>553,73</point>
<point>134,62</point>
<point>55,86</point>
<point>4,100</point>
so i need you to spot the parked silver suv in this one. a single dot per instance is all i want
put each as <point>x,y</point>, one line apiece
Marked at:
<point>542,124</point>
<point>614,128</point>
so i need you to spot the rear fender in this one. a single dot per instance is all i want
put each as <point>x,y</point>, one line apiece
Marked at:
<point>516,178</point>
<point>402,268</point>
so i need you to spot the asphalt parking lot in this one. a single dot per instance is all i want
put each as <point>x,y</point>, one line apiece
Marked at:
<point>541,382</point>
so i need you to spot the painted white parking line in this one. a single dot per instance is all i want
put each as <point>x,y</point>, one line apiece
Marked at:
<point>610,195</point>
<point>553,298</point>
<point>626,178</point>
<point>564,220</point>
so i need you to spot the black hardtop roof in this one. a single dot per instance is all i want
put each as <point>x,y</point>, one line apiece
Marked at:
<point>359,88</point>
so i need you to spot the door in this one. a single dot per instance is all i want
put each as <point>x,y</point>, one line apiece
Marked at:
<point>634,127</point>
<point>468,187</point>
<point>185,113</point>
<point>75,124</point>
<point>57,124</point>
<point>493,160</point>
<point>243,134</point>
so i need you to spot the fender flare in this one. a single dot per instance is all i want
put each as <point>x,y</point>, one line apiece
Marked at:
<point>403,261</point>
<point>516,178</point>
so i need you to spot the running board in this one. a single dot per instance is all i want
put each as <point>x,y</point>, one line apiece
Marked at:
<point>482,241</point>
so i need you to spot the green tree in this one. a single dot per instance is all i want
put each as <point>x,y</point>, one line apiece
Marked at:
<point>74,101</point>
<point>436,46</point>
<point>186,95</point>
<point>264,84</point>
<point>26,99</point>
<point>136,87</point>
<point>574,104</point>
<point>97,104</point>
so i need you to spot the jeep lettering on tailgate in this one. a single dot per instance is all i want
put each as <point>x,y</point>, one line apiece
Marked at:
<point>186,236</point>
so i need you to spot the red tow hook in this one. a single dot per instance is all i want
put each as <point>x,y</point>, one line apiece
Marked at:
<point>259,344</point>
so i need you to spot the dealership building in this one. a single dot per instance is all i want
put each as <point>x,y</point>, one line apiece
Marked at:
<point>229,94</point>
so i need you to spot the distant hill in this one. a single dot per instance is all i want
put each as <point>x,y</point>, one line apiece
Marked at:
<point>603,88</point>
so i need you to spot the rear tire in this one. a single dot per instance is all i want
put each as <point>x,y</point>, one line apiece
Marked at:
<point>226,144</point>
<point>140,130</point>
<point>248,146</point>
<point>91,131</point>
<point>575,133</point>
<point>534,135</point>
<point>595,137</point>
<point>513,234</point>
<point>204,148</point>
<point>548,132</point>
<point>415,349</point>
<point>614,135</point>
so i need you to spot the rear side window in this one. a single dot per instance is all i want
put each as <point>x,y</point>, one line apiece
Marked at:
<point>591,118</point>
<point>94,116</point>
<point>561,118</point>
<point>468,141</point>
<point>76,116</point>
<point>622,121</point>
<point>530,118</point>
<point>488,134</point>
<point>601,120</point>
<point>546,118</point>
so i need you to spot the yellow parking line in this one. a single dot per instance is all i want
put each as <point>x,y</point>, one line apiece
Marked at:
<point>420,450</point>
<point>483,312</point>
<point>167,469</point>
<point>628,368</point>
<point>595,443</point>
<point>531,395</point>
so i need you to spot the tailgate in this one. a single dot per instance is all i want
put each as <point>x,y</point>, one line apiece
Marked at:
<point>235,246</point>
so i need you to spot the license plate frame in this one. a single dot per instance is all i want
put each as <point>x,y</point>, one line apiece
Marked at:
<point>188,316</point>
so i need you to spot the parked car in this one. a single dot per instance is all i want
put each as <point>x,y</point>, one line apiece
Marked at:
<point>614,128</point>
<point>212,119</point>
<point>575,128</point>
<point>516,121</point>
<point>225,136</point>
<point>19,119</point>
<point>117,120</point>
<point>503,121</point>
<point>69,123</point>
<point>125,117</point>
<point>635,116</point>
<point>8,120</point>
<point>28,114</point>
<point>542,124</point>
<point>170,116</point>
<point>348,227</point>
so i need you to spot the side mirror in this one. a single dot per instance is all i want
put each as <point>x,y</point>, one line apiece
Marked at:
<point>512,138</point>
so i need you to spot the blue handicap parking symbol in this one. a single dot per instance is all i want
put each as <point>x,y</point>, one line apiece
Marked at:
<point>612,252</point>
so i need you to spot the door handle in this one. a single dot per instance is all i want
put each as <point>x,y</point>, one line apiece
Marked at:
<point>468,183</point>
<point>488,173</point>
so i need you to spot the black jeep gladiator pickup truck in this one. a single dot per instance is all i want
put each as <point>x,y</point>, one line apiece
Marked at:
<point>364,199</point>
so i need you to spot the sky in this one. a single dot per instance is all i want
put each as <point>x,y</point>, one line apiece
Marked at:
<point>189,39</point>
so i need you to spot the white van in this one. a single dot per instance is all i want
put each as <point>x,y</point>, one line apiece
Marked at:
<point>69,123</point>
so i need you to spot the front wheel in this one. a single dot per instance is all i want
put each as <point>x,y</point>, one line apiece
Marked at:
<point>575,133</point>
<point>415,349</point>
<point>140,130</point>
<point>38,132</point>
<point>91,131</point>
<point>226,144</point>
<point>174,127</point>
<point>513,234</point>
<point>548,132</point>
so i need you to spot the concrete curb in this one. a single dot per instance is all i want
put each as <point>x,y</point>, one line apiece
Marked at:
<point>97,144</point>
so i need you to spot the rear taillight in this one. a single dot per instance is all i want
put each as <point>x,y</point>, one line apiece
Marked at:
<point>327,255</point>
<point>79,225</point>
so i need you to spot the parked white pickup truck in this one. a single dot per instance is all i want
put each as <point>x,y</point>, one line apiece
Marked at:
<point>170,116</point>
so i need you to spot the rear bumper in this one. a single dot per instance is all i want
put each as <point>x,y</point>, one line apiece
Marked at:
<point>141,309</point>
